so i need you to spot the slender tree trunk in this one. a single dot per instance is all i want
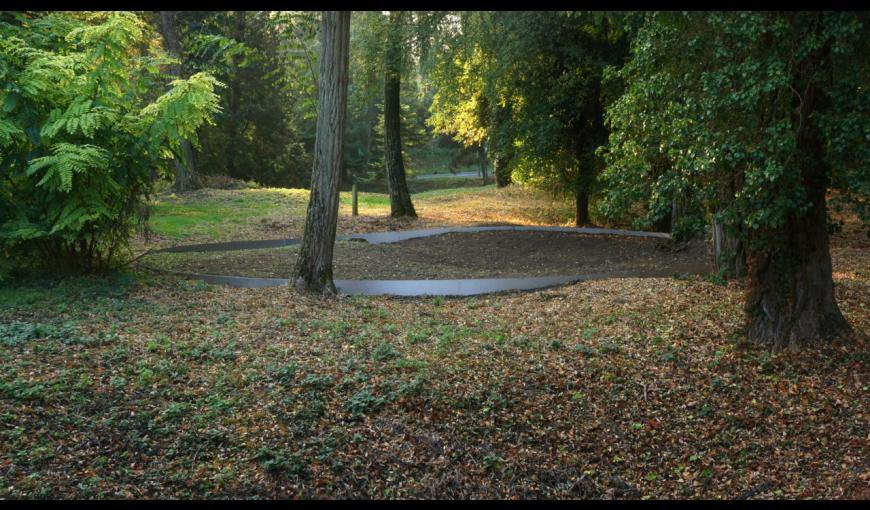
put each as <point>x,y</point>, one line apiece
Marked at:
<point>313,271</point>
<point>581,201</point>
<point>501,171</point>
<point>790,302</point>
<point>232,126</point>
<point>400,197</point>
<point>581,191</point>
<point>500,143</point>
<point>186,178</point>
<point>481,161</point>
<point>728,245</point>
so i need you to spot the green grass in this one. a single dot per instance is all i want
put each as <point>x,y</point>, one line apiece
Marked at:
<point>366,200</point>
<point>442,168</point>
<point>219,214</point>
<point>204,213</point>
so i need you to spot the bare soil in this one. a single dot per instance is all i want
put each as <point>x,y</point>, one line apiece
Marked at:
<point>465,255</point>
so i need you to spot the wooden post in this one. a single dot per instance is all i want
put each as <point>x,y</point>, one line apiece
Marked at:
<point>354,201</point>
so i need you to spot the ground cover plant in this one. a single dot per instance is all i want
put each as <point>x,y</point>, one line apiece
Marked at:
<point>141,385</point>
<point>725,357</point>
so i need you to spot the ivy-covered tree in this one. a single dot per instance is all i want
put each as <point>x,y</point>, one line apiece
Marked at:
<point>761,116</point>
<point>81,132</point>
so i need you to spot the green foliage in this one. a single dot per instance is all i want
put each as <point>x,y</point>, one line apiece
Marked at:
<point>727,109</point>
<point>80,133</point>
<point>529,85</point>
<point>280,461</point>
<point>269,62</point>
<point>364,140</point>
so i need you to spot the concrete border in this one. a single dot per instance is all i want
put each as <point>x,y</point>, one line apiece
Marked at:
<point>452,287</point>
<point>404,235</point>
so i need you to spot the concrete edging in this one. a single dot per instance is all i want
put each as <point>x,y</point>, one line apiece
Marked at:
<point>452,287</point>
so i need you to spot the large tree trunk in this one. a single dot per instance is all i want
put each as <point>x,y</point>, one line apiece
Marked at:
<point>313,271</point>
<point>790,302</point>
<point>400,197</point>
<point>729,252</point>
<point>186,178</point>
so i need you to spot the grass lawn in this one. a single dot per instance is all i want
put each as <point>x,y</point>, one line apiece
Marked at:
<point>144,386</point>
<point>266,213</point>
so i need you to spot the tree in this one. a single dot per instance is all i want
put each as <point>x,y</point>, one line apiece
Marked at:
<point>400,197</point>
<point>186,178</point>
<point>313,271</point>
<point>759,116</point>
<point>265,129</point>
<point>82,128</point>
<point>471,102</point>
<point>531,84</point>
<point>559,113</point>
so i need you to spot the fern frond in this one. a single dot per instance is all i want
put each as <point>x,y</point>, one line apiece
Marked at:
<point>68,159</point>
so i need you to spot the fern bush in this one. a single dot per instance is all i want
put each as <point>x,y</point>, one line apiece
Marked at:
<point>86,118</point>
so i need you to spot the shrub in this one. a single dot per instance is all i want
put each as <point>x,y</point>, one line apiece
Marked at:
<point>81,132</point>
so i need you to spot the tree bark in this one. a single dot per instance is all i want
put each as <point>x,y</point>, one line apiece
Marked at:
<point>500,169</point>
<point>790,302</point>
<point>313,271</point>
<point>581,201</point>
<point>400,197</point>
<point>581,190</point>
<point>729,252</point>
<point>481,161</point>
<point>186,178</point>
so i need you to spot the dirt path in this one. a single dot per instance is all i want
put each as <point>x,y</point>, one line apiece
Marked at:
<point>463,255</point>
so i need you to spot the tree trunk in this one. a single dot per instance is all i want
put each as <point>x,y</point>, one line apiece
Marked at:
<point>400,197</point>
<point>313,271</point>
<point>665,223</point>
<point>186,178</point>
<point>501,170</point>
<point>581,190</point>
<point>233,93</point>
<point>581,201</point>
<point>481,161</point>
<point>790,302</point>
<point>729,252</point>
<point>501,145</point>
